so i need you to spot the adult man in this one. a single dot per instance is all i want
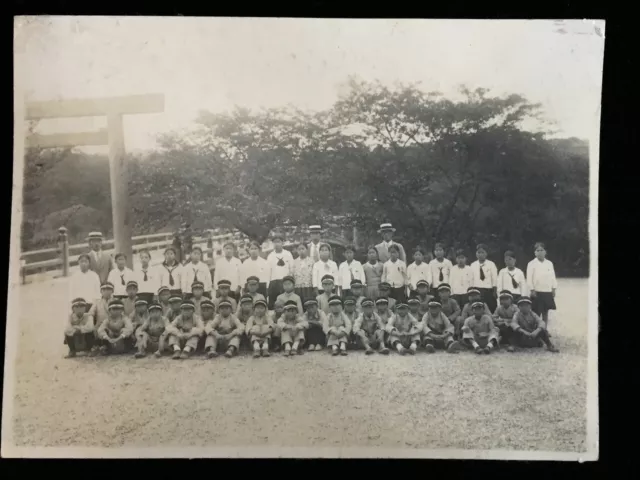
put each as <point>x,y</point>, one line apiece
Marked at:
<point>100,262</point>
<point>315,232</point>
<point>387,230</point>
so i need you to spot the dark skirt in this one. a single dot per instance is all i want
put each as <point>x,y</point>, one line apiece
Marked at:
<point>543,302</point>
<point>262,289</point>
<point>398,294</point>
<point>148,297</point>
<point>487,297</point>
<point>176,291</point>
<point>305,293</point>
<point>275,289</point>
<point>462,299</point>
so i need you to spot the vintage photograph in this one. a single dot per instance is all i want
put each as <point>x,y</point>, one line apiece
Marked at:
<point>279,237</point>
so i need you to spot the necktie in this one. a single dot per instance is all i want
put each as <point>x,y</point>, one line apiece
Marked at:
<point>441,276</point>
<point>482,277</point>
<point>280,262</point>
<point>171,281</point>
<point>145,275</point>
<point>513,282</point>
<point>122,279</point>
<point>195,275</point>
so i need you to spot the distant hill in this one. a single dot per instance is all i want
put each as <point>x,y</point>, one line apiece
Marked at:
<point>571,147</point>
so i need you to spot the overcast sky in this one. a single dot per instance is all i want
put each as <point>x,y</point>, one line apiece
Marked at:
<point>215,64</point>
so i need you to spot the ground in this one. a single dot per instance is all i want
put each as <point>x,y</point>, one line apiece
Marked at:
<point>532,400</point>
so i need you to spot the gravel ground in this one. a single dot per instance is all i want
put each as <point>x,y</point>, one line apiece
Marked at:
<point>531,400</point>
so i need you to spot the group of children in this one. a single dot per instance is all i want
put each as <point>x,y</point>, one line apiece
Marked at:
<point>293,305</point>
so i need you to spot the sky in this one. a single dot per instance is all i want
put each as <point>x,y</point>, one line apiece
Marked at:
<point>216,63</point>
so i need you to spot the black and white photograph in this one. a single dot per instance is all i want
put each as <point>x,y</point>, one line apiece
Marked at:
<point>304,237</point>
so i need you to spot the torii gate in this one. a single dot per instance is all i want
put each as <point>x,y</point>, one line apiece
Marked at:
<point>113,136</point>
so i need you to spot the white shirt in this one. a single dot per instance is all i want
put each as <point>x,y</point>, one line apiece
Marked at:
<point>438,267</point>
<point>153,280</point>
<point>320,269</point>
<point>348,272</point>
<point>165,273</point>
<point>460,279</point>
<point>417,272</point>
<point>395,273</point>
<point>490,274</point>
<point>119,278</point>
<point>84,285</point>
<point>228,269</point>
<point>254,268</point>
<point>505,282</point>
<point>191,270</point>
<point>277,272</point>
<point>541,276</point>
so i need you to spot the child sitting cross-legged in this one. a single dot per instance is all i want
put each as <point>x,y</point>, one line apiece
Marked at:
<point>292,328</point>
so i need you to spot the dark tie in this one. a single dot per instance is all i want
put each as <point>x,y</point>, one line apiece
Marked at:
<point>122,279</point>
<point>513,281</point>
<point>195,275</point>
<point>482,277</point>
<point>441,277</point>
<point>145,276</point>
<point>171,282</point>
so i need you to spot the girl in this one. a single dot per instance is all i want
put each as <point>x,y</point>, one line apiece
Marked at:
<point>85,283</point>
<point>147,278</point>
<point>485,277</point>
<point>255,267</point>
<point>349,271</point>
<point>418,270</point>
<point>228,268</point>
<point>541,277</point>
<point>171,272</point>
<point>303,273</point>
<point>372,273</point>
<point>512,278</point>
<point>395,274</point>
<point>120,276</point>
<point>196,271</point>
<point>440,269</point>
<point>323,267</point>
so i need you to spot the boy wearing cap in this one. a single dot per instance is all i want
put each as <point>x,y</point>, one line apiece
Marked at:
<point>303,274</point>
<point>438,330</point>
<point>152,335</point>
<point>197,296</point>
<point>529,330</point>
<point>79,332</point>
<point>164,294</point>
<point>99,311</point>
<point>404,330</point>
<point>99,262</point>
<point>129,301</point>
<point>289,284</point>
<point>478,331</point>
<point>440,268</point>
<point>196,271</point>
<point>387,231</point>
<point>474,296</point>
<point>292,327</point>
<point>327,287</point>
<point>120,276</point>
<point>414,307</point>
<point>349,309</point>
<point>394,273</point>
<point>255,267</point>
<point>461,279</point>
<point>315,319</point>
<point>323,268</point>
<point>224,289</point>
<point>423,295</point>
<point>174,301</point>
<point>503,316</point>
<point>349,271</point>
<point>450,307</point>
<point>223,332</point>
<point>512,278</point>
<point>280,265</point>
<point>259,328</point>
<point>171,272</point>
<point>369,329</point>
<point>485,277</point>
<point>337,327</point>
<point>84,283</point>
<point>228,268</point>
<point>356,290</point>
<point>245,308</point>
<point>382,309</point>
<point>542,283</point>
<point>138,317</point>
<point>115,332</point>
<point>418,270</point>
<point>185,331</point>
<point>253,289</point>
<point>147,278</point>
<point>372,273</point>
<point>384,289</point>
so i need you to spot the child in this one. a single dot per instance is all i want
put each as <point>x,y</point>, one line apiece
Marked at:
<point>414,307</point>
<point>450,307</point>
<point>315,320</point>
<point>382,309</point>
<point>485,277</point>
<point>171,272</point>
<point>292,327</point>
<point>327,292</point>
<point>280,265</point>
<point>197,271</point>
<point>228,268</point>
<point>503,317</point>
<point>423,296</point>
<point>356,290</point>
<point>100,311</point>
<point>337,327</point>
<point>349,271</point>
<point>324,267</point>
<point>372,273</point>
<point>394,273</point>
<point>185,331</point>
<point>303,273</point>
<point>349,309</point>
<point>138,318</point>
<point>224,293</point>
<point>383,292</point>
<point>115,332</point>
<point>120,276</point>
<point>99,262</point>
<point>438,330</point>
<point>224,332</point>
<point>542,283</point>
<point>461,279</point>
<point>197,296</point>
<point>315,232</point>
<point>78,335</point>
<point>255,267</point>
<point>440,269</point>
<point>474,296</point>
<point>164,294</point>
<point>245,308</point>
<point>175,301</point>
<point>288,284</point>
<point>260,326</point>
<point>129,301</point>
<point>404,330</point>
<point>207,314</point>
<point>253,288</point>
<point>152,336</point>
<point>84,283</point>
<point>529,329</point>
<point>147,277</point>
<point>369,329</point>
<point>511,278</point>
<point>478,331</point>
<point>418,270</point>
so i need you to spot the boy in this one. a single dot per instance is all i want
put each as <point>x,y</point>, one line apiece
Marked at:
<point>175,301</point>
<point>511,278</point>
<point>292,326</point>
<point>99,262</point>
<point>542,283</point>
<point>372,273</point>
<point>394,273</point>
<point>129,301</point>
<point>224,332</point>
<point>207,314</point>
<point>138,318</point>
<point>185,331</point>
<point>315,320</point>
<point>414,307</point>
<point>171,272</point>
<point>478,331</point>
<point>259,328</point>
<point>85,283</point>
<point>349,309</point>
<point>197,296</point>
<point>349,271</point>
<point>253,289</point>
<point>303,274</point>
<point>423,296</point>
<point>369,329</point>
<point>224,293</point>
<point>382,309</point>
<point>255,267</point>
<point>147,278</point>
<point>245,308</point>
<point>383,292</point>
<point>529,329</point>
<point>152,336</point>
<point>78,335</point>
<point>460,279</point>
<point>417,271</point>
<point>440,269</point>
<point>404,330</point>
<point>164,294</point>
<point>197,271</point>
<point>485,277</point>
<point>438,330</point>
<point>280,265</point>
<point>327,292</point>
<point>323,268</point>
<point>337,327</point>
<point>289,284</point>
<point>356,290</point>
<point>115,332</point>
<point>100,311</point>
<point>228,268</point>
<point>474,296</point>
<point>121,276</point>
<point>449,306</point>
<point>503,316</point>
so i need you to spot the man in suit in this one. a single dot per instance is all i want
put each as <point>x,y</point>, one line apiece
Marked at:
<point>387,230</point>
<point>99,261</point>
<point>315,232</point>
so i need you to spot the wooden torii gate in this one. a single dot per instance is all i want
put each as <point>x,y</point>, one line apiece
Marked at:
<point>113,136</point>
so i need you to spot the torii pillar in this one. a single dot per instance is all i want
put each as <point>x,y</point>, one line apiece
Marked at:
<point>113,136</point>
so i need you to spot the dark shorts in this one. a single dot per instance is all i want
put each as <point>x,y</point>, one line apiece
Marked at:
<point>398,294</point>
<point>148,297</point>
<point>488,298</point>
<point>275,289</point>
<point>262,288</point>
<point>462,299</point>
<point>543,302</point>
<point>176,291</point>
<point>305,293</point>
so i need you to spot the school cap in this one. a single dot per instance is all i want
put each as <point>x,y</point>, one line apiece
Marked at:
<point>225,303</point>
<point>140,302</point>
<point>115,303</point>
<point>206,303</point>
<point>444,286</point>
<point>327,278</point>
<point>367,302</point>
<point>471,290</point>
<point>477,304</point>
<point>384,286</point>
<point>155,306</point>
<point>163,289</point>
<point>246,298</point>
<point>524,300</point>
<point>289,278</point>
<point>78,302</point>
<point>256,303</point>
<point>132,283</point>
<point>195,285</point>
<point>349,301</point>
<point>253,279</point>
<point>106,286</point>
<point>380,301</point>
<point>413,301</point>
<point>315,228</point>
<point>290,305</point>
<point>505,294</point>
<point>335,300</point>
<point>356,283</point>
<point>402,305</point>
<point>434,303</point>
<point>419,283</point>
<point>187,304</point>
<point>94,235</point>
<point>175,298</point>
<point>310,302</point>
<point>224,283</point>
